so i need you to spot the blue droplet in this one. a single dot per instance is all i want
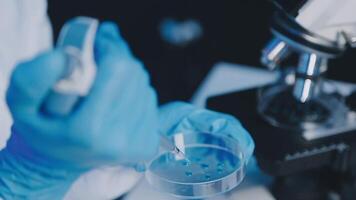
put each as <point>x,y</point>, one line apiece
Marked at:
<point>204,166</point>
<point>220,171</point>
<point>221,165</point>
<point>189,174</point>
<point>207,177</point>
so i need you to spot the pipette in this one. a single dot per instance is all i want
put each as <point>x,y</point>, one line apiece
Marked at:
<point>167,144</point>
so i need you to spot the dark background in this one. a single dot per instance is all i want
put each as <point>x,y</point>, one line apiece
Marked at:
<point>234,31</point>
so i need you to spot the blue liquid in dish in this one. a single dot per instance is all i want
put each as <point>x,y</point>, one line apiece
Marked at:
<point>206,163</point>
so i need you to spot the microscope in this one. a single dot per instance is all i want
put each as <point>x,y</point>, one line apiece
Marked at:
<point>304,125</point>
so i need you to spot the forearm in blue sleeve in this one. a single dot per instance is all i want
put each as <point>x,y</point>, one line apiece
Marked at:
<point>31,177</point>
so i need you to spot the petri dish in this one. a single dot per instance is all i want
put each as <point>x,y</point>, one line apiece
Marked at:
<point>212,165</point>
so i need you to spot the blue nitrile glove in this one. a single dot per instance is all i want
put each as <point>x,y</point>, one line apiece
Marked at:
<point>115,124</point>
<point>180,117</point>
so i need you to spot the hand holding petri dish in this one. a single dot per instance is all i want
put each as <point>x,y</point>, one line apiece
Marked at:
<point>211,165</point>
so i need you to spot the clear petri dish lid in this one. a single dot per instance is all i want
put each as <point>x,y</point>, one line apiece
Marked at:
<point>213,164</point>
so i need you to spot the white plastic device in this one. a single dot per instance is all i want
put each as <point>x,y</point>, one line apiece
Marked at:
<point>77,40</point>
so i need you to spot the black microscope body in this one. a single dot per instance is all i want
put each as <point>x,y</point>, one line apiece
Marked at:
<point>305,166</point>
<point>303,169</point>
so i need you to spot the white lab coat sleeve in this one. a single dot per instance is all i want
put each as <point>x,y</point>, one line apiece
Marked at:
<point>104,183</point>
<point>24,32</point>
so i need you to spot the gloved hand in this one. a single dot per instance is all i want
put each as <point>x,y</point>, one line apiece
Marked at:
<point>115,124</point>
<point>180,117</point>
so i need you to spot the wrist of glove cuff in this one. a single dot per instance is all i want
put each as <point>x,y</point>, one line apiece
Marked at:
<point>25,174</point>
